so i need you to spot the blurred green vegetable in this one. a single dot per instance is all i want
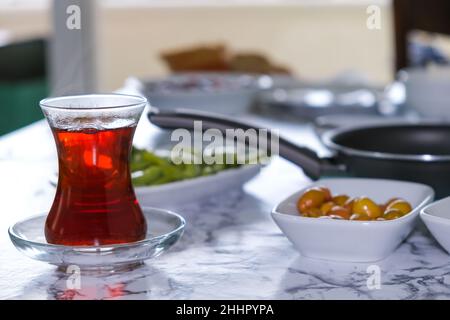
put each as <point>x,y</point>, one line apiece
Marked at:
<point>148,169</point>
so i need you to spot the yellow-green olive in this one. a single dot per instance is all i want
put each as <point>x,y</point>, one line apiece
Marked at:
<point>313,213</point>
<point>390,201</point>
<point>364,205</point>
<point>383,206</point>
<point>392,214</point>
<point>401,205</point>
<point>340,212</point>
<point>360,217</point>
<point>327,193</point>
<point>341,199</point>
<point>312,198</point>
<point>326,207</point>
<point>349,204</point>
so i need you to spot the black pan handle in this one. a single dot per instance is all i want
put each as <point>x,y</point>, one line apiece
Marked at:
<point>312,165</point>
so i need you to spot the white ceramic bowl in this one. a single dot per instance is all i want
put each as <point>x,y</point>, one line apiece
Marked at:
<point>352,241</point>
<point>436,217</point>
<point>235,95</point>
<point>426,91</point>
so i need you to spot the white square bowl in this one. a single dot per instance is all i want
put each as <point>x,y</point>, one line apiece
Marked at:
<point>352,241</point>
<point>436,217</point>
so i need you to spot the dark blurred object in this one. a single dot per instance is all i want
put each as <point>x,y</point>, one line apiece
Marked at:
<point>23,82</point>
<point>409,15</point>
<point>218,58</point>
<point>23,60</point>
<point>423,54</point>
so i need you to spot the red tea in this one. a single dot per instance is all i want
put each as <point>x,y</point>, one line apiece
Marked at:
<point>95,203</point>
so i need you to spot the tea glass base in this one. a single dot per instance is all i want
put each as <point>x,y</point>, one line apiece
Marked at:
<point>164,228</point>
<point>102,270</point>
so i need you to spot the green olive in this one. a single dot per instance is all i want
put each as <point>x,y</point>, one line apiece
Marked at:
<point>313,213</point>
<point>311,198</point>
<point>326,207</point>
<point>383,206</point>
<point>339,212</point>
<point>360,217</point>
<point>349,204</point>
<point>401,205</point>
<point>392,214</point>
<point>327,193</point>
<point>341,199</point>
<point>364,205</point>
<point>390,201</point>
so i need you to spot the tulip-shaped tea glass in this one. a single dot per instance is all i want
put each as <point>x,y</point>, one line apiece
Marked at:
<point>95,221</point>
<point>95,203</point>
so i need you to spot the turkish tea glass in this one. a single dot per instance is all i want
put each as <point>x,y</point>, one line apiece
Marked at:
<point>95,203</point>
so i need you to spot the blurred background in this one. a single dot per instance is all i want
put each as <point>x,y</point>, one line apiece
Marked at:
<point>312,41</point>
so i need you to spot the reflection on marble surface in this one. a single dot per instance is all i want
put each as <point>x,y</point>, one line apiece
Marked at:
<point>231,250</point>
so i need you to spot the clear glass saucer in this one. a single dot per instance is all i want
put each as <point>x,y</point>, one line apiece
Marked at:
<point>164,228</point>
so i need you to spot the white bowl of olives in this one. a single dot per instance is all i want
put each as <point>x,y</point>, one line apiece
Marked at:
<point>351,219</point>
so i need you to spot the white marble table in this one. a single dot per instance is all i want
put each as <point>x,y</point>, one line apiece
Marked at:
<point>231,248</point>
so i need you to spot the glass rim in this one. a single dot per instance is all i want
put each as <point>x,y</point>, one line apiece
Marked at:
<point>50,102</point>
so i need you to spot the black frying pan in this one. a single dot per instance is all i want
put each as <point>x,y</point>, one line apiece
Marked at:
<point>414,152</point>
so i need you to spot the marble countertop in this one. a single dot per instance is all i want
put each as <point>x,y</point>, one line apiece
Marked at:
<point>231,248</point>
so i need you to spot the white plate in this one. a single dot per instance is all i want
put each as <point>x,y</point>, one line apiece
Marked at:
<point>352,241</point>
<point>196,188</point>
<point>436,217</point>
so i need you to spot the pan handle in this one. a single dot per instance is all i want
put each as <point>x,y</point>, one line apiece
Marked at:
<point>312,165</point>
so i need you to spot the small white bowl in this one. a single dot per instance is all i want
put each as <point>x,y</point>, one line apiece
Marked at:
<point>436,217</point>
<point>352,241</point>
